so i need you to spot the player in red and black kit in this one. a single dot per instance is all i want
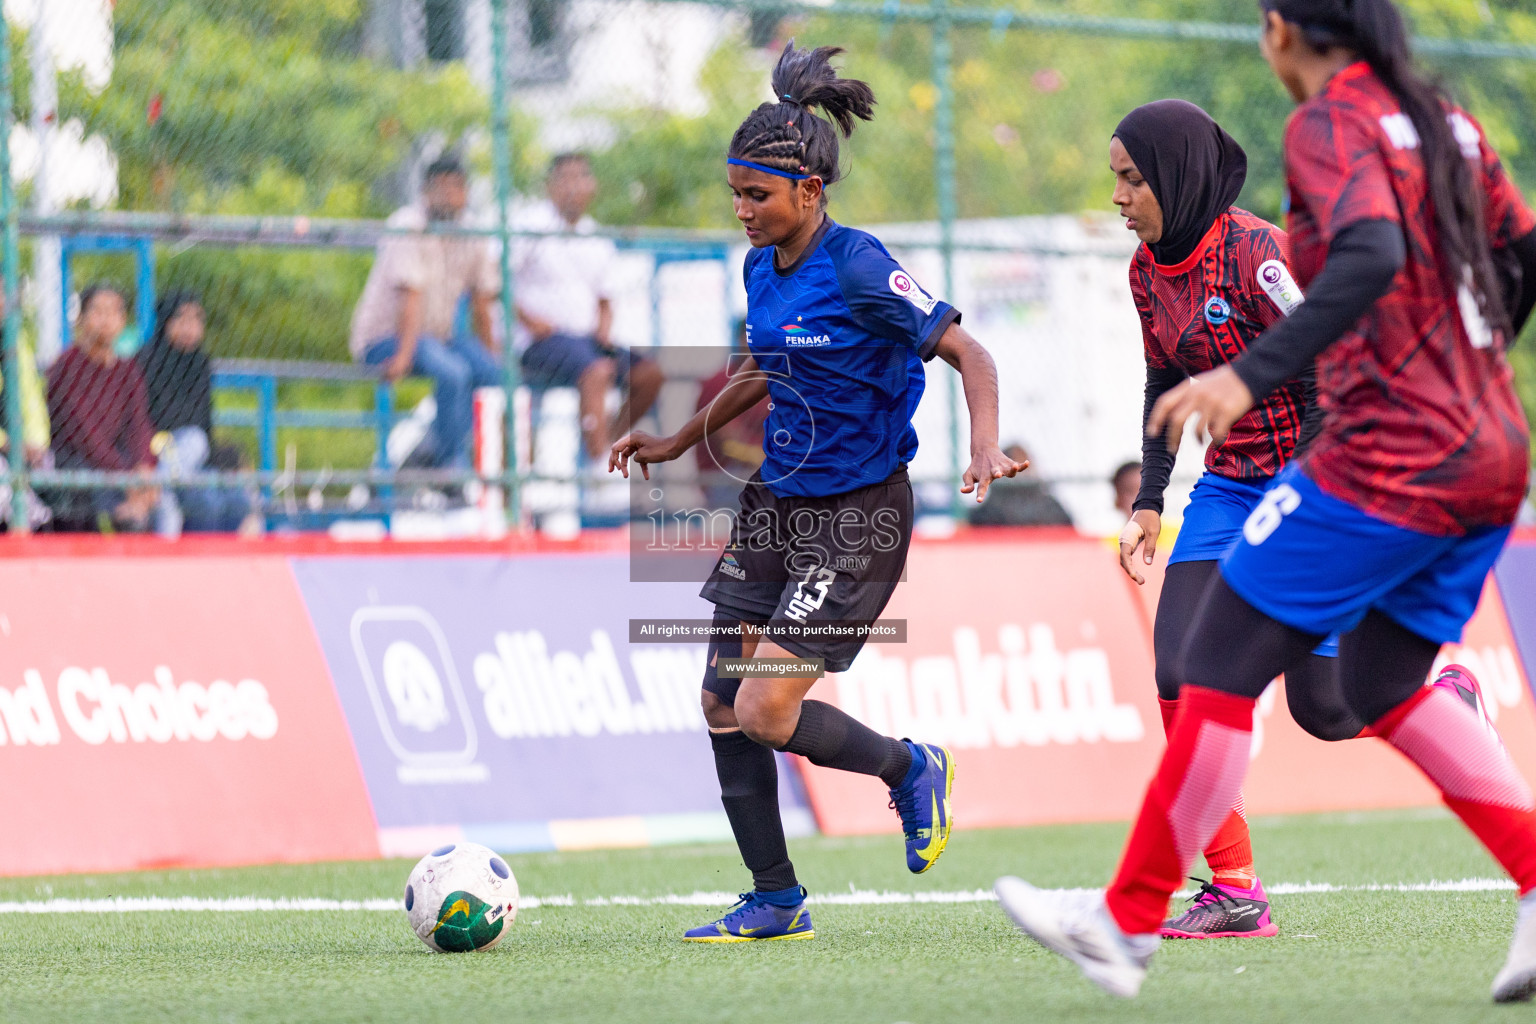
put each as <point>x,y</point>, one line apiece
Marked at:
<point>1207,280</point>
<point>1406,234</point>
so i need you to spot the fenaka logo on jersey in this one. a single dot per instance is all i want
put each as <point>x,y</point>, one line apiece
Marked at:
<point>1217,312</point>
<point>903,285</point>
<point>731,567</point>
<point>799,335</point>
<point>1280,286</point>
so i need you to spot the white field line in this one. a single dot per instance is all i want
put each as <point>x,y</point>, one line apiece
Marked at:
<point>854,897</point>
<point>1461,885</point>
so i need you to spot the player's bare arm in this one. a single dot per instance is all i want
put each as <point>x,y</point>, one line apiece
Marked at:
<point>978,374</point>
<point>747,388</point>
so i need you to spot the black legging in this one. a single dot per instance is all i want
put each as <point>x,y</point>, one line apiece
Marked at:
<point>1233,647</point>
<point>1312,683</point>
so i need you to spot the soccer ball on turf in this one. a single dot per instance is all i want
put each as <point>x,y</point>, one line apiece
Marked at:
<point>461,898</point>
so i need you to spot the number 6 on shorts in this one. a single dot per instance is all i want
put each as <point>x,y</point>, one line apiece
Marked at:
<point>1277,504</point>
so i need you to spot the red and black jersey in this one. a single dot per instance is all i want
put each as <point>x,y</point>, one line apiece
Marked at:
<point>1203,312</point>
<point>1423,428</point>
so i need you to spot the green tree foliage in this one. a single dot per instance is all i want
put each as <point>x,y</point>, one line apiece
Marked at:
<point>264,107</point>
<point>1034,112</point>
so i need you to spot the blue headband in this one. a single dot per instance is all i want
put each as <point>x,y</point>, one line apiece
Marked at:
<point>766,169</point>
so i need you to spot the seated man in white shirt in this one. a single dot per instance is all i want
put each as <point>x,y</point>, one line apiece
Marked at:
<point>564,312</point>
<point>404,322</point>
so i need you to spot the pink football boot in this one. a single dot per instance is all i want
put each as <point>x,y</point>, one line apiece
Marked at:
<point>1224,912</point>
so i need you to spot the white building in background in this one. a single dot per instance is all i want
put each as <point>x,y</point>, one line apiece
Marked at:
<point>80,168</point>
<point>63,164</point>
<point>569,58</point>
<point>65,35</point>
<point>636,55</point>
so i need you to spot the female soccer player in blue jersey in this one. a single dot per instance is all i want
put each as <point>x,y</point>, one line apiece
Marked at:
<point>1406,234</point>
<point>1207,280</point>
<point>838,334</point>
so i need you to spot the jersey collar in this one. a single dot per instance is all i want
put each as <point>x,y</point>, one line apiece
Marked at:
<point>1359,69</point>
<point>1187,264</point>
<point>811,247</point>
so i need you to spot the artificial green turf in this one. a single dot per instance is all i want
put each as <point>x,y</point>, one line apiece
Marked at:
<point>1354,957</point>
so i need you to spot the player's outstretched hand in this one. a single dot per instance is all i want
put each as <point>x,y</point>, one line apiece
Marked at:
<point>989,464</point>
<point>643,448</point>
<point>1215,400</point>
<point>1141,531</point>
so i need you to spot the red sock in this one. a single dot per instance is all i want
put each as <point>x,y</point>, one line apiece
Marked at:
<point>1478,781</point>
<point>1230,852</point>
<point>1196,784</point>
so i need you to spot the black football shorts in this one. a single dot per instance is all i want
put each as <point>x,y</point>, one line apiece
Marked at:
<point>807,560</point>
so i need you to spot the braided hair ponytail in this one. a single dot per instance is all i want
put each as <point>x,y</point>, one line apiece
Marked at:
<point>1374,29</point>
<point>786,134</point>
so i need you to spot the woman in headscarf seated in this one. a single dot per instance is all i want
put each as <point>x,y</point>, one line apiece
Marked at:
<point>179,377</point>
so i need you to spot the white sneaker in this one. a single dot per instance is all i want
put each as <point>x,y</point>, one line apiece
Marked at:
<point>1078,926</point>
<point>1516,983</point>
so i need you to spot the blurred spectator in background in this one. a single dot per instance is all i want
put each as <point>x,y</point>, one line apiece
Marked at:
<point>404,322</point>
<point>34,402</point>
<point>1022,501</point>
<point>1127,483</point>
<point>100,414</point>
<point>178,379</point>
<point>730,454</point>
<point>34,423</point>
<point>565,309</point>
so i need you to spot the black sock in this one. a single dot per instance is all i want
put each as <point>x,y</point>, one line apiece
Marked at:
<point>832,739</point>
<point>749,789</point>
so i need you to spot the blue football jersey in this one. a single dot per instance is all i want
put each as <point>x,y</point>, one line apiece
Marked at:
<point>841,337</point>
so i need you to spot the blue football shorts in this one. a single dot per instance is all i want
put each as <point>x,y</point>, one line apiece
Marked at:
<point>1213,523</point>
<point>1319,564</point>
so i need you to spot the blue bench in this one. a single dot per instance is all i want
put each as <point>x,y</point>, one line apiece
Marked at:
<point>262,375</point>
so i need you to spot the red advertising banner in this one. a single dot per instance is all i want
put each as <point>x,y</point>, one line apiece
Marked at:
<point>160,712</point>
<point>1031,660</point>
<point>1292,772</point>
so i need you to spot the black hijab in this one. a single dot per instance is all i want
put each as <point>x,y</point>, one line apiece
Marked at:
<point>1195,169</point>
<point>179,383</point>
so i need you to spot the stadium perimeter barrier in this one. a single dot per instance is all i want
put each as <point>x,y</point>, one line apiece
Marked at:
<point>200,704</point>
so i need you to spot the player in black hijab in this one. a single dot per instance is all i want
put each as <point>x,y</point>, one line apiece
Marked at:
<point>1208,279</point>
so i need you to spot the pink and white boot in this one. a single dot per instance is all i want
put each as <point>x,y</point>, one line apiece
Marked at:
<point>1461,683</point>
<point>1224,912</point>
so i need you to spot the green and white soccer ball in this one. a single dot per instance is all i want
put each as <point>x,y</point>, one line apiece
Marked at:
<point>461,898</point>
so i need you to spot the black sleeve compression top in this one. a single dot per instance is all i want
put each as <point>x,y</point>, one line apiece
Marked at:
<point>1156,459</point>
<point>1362,262</point>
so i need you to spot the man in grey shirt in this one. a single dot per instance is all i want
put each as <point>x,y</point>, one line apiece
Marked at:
<point>405,321</point>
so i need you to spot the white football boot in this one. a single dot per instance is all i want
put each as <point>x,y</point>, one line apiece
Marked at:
<point>1079,927</point>
<point>1516,983</point>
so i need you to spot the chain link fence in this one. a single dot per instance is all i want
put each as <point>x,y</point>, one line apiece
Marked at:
<point>213,208</point>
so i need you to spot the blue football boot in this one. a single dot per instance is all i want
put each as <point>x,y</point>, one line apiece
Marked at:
<point>754,918</point>
<point>922,800</point>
